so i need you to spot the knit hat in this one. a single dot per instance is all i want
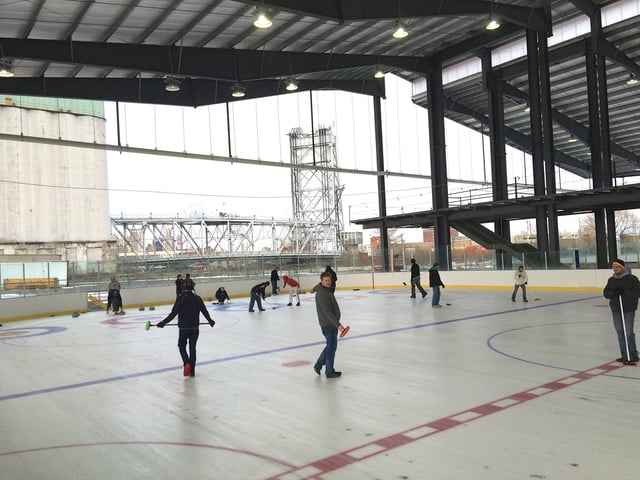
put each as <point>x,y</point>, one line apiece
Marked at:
<point>619,262</point>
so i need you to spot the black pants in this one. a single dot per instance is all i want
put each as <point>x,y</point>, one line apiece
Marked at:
<point>189,335</point>
<point>114,300</point>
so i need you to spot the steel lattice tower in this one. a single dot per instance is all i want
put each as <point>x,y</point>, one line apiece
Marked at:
<point>317,194</point>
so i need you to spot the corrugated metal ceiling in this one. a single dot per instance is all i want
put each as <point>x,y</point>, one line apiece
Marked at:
<point>123,49</point>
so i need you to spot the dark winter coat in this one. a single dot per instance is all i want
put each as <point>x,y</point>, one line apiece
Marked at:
<point>188,284</point>
<point>188,308</point>
<point>259,290</point>
<point>179,286</point>
<point>434,278</point>
<point>626,285</point>
<point>334,277</point>
<point>222,295</point>
<point>415,270</point>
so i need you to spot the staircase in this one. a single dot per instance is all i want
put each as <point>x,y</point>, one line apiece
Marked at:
<point>492,241</point>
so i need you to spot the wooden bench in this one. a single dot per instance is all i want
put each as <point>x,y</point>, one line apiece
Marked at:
<point>30,283</point>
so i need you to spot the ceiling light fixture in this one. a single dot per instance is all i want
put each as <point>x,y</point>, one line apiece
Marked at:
<point>171,84</point>
<point>292,85</point>
<point>262,20</point>
<point>493,24</point>
<point>400,29</point>
<point>379,73</point>
<point>6,68</point>
<point>527,108</point>
<point>237,90</point>
<point>632,80</point>
<point>572,139</point>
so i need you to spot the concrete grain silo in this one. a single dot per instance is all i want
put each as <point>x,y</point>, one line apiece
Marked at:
<point>54,198</point>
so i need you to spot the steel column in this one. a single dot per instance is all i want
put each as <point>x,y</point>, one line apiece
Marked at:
<point>604,235</point>
<point>605,138</point>
<point>553,238</point>
<point>439,180</point>
<point>537,152</point>
<point>493,83</point>
<point>382,190</point>
<point>594,116</point>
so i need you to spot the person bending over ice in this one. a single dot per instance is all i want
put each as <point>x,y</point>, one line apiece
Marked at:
<point>294,288</point>
<point>222,295</point>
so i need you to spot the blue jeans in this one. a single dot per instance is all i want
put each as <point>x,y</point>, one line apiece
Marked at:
<point>524,292</point>
<point>629,318</point>
<point>415,282</point>
<point>255,299</point>
<point>435,300</point>
<point>328,355</point>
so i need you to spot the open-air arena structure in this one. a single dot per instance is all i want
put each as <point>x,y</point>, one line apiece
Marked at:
<point>224,138</point>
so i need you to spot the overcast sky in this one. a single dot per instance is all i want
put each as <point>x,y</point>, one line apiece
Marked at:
<point>159,185</point>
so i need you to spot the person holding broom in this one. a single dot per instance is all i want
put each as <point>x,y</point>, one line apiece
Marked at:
<point>188,308</point>
<point>622,290</point>
<point>520,280</point>
<point>435,282</point>
<point>329,319</point>
<point>294,289</point>
<point>257,294</point>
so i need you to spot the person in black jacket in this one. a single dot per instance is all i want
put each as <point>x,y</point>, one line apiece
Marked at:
<point>622,290</point>
<point>188,308</point>
<point>258,293</point>
<point>274,281</point>
<point>334,277</point>
<point>222,295</point>
<point>179,285</point>
<point>435,282</point>
<point>188,281</point>
<point>114,299</point>
<point>415,279</point>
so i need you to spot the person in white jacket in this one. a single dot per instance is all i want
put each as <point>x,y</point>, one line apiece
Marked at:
<point>520,280</point>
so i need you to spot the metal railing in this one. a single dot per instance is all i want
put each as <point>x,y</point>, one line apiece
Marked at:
<point>94,277</point>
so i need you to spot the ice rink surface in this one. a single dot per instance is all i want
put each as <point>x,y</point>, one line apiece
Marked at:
<point>481,388</point>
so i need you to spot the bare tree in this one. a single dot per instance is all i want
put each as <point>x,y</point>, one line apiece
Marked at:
<point>395,236</point>
<point>626,222</point>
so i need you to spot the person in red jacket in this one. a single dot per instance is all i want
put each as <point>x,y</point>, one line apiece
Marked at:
<point>294,286</point>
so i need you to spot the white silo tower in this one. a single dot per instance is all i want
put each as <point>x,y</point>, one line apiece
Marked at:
<point>55,201</point>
